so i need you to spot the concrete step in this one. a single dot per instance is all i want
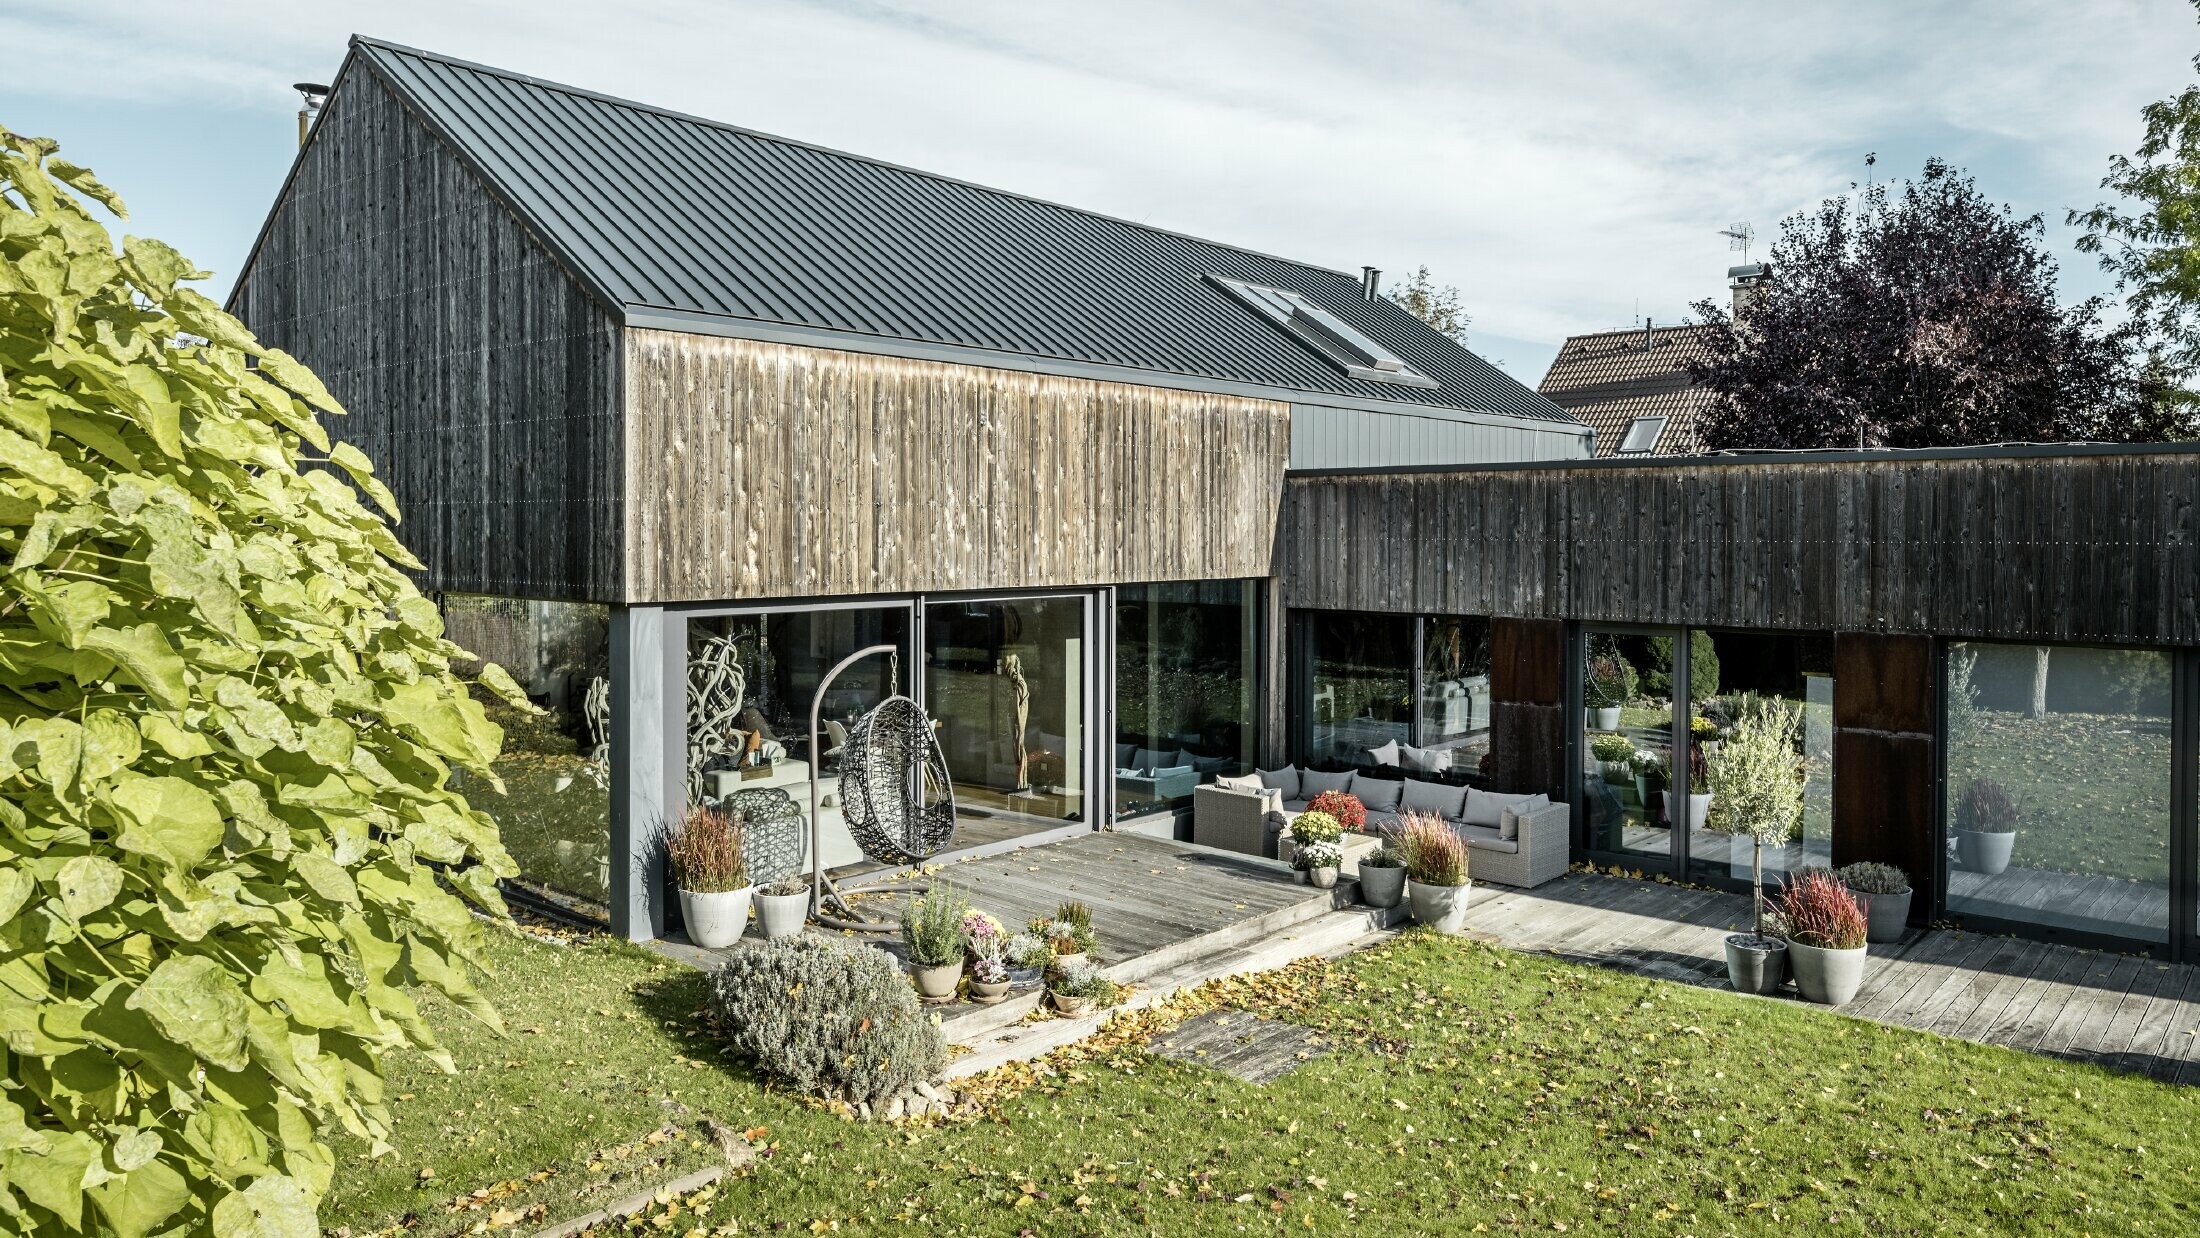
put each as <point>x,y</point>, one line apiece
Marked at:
<point>1328,934</point>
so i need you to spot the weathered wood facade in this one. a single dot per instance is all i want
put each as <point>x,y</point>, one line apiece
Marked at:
<point>772,470</point>
<point>2080,546</point>
<point>481,379</point>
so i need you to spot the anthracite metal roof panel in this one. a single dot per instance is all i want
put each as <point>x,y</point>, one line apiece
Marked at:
<point>659,211</point>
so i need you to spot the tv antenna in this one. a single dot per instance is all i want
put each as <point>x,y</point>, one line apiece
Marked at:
<point>1738,236</point>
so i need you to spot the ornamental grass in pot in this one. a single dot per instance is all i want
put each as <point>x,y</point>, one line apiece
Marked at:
<point>932,929</point>
<point>1986,827</point>
<point>1075,985</point>
<point>1885,893</point>
<point>1756,792</point>
<point>1383,875</point>
<point>1826,934</point>
<point>1436,871</point>
<point>1317,851</point>
<point>1069,934</point>
<point>713,879</point>
<point>782,908</point>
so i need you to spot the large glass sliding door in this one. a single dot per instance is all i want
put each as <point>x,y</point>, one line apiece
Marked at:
<point>1733,676</point>
<point>1187,675</point>
<point>1631,795</point>
<point>1007,682</point>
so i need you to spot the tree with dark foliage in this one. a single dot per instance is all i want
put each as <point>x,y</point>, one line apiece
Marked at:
<point>1921,315</point>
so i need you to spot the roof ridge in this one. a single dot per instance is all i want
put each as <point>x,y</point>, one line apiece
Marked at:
<point>1674,327</point>
<point>369,41</point>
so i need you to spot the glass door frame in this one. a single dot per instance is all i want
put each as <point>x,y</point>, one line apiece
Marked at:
<point>1675,862</point>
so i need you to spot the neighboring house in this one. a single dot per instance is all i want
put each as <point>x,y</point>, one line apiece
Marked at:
<point>681,415</point>
<point>1632,388</point>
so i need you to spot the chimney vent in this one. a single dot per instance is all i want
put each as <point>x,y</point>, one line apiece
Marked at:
<point>311,96</point>
<point>1371,282</point>
<point>1746,281</point>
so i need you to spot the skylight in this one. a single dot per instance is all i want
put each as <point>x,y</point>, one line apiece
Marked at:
<point>1642,436</point>
<point>1328,336</point>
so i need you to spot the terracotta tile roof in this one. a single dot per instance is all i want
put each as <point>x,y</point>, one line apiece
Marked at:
<point>1613,377</point>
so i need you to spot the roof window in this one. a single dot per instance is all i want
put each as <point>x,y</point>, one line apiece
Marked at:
<point>1327,335</point>
<point>1642,436</point>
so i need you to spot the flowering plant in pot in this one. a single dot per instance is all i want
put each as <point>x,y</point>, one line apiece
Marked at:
<point>1344,806</point>
<point>1436,871</point>
<point>1986,827</point>
<point>1310,859</point>
<point>1650,774</point>
<point>989,978</point>
<point>1383,875</point>
<point>1069,933</point>
<point>1756,786</point>
<point>1826,935</point>
<point>1615,754</point>
<point>782,907</point>
<point>1885,891</point>
<point>1027,956</point>
<point>931,928</point>
<point>1077,984</point>
<point>707,865</point>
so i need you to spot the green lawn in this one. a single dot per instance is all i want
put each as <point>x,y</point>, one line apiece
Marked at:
<point>1470,1087</point>
<point>2092,790</point>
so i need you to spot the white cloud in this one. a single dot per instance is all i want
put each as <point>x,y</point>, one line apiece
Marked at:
<point>1558,162</point>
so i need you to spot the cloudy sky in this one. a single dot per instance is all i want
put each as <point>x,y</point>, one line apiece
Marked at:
<point>1568,166</point>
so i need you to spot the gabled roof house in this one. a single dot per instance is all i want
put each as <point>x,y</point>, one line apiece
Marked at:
<point>1632,389</point>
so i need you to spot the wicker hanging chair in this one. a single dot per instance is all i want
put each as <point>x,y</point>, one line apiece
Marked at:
<point>895,795</point>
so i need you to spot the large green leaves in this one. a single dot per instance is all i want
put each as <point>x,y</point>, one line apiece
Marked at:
<point>228,839</point>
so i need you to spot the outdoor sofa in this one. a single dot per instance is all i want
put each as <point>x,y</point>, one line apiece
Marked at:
<point>1250,814</point>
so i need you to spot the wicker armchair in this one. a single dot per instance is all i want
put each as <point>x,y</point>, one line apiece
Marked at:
<point>1545,850</point>
<point>1232,821</point>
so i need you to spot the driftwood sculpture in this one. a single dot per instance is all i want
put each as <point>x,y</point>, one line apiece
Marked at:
<point>716,686</point>
<point>1012,667</point>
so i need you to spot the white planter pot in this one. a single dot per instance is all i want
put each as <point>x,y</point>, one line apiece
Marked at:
<point>1604,719</point>
<point>1443,908</point>
<point>1829,977</point>
<point>716,920</point>
<point>1323,878</point>
<point>1699,809</point>
<point>937,984</point>
<point>1382,887</point>
<point>1887,915</point>
<point>781,915</point>
<point>1981,852</point>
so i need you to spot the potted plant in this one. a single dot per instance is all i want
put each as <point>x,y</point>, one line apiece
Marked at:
<point>1986,827</point>
<point>989,977</point>
<point>1704,734</point>
<point>1756,791</point>
<point>1699,787</point>
<point>1649,781</point>
<point>782,908</point>
<point>1609,685</point>
<point>1826,934</point>
<point>931,928</point>
<point>1027,956</point>
<point>1615,754</point>
<point>1346,807</point>
<point>1069,933</point>
<point>713,878</point>
<point>1316,854</point>
<point>1885,891</point>
<point>1075,985</point>
<point>1383,876</point>
<point>1436,872</point>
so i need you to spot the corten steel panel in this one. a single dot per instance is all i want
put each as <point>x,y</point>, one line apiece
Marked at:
<point>1883,683</point>
<point>1528,661</point>
<point>1883,807</point>
<point>1528,748</point>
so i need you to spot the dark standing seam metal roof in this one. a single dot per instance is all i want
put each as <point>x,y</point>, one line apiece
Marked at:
<point>659,211</point>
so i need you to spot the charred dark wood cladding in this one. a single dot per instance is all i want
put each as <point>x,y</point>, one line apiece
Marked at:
<point>2083,546</point>
<point>482,382</point>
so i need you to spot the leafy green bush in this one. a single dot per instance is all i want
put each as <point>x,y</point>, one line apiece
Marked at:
<point>827,1017</point>
<point>1867,877</point>
<point>932,927</point>
<point>1703,666</point>
<point>228,844</point>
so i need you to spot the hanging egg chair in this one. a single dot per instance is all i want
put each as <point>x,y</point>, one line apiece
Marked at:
<point>895,796</point>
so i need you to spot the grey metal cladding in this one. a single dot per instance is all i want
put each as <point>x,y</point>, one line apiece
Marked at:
<point>661,211</point>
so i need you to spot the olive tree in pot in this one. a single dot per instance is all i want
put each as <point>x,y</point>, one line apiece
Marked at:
<point>1383,876</point>
<point>1885,891</point>
<point>1986,827</point>
<point>1755,782</point>
<point>1826,934</point>
<point>1436,871</point>
<point>932,929</point>
<point>713,878</point>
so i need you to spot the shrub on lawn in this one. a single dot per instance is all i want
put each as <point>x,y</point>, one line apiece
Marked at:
<point>827,1017</point>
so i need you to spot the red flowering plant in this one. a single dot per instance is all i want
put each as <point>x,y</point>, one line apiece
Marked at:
<point>1343,805</point>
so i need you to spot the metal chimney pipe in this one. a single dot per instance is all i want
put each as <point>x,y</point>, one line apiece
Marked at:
<point>1371,282</point>
<point>311,96</point>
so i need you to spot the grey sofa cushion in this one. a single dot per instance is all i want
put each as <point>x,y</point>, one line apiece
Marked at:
<point>1424,760</point>
<point>1285,780</point>
<point>1244,783</point>
<point>1486,838</point>
<point>1488,807</point>
<point>1385,755</point>
<point>1384,822</point>
<point>1294,807</point>
<point>1313,782</point>
<point>1379,794</point>
<point>1125,754</point>
<point>1149,758</point>
<point>1441,798</point>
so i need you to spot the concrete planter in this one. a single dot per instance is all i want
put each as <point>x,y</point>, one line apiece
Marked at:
<point>1069,1006</point>
<point>1755,964</point>
<point>1983,852</point>
<point>1699,809</point>
<point>1324,878</point>
<point>1604,719</point>
<point>1443,908</point>
<point>716,919</point>
<point>937,984</point>
<point>1888,915</point>
<point>1382,887</point>
<point>781,915</point>
<point>988,994</point>
<point>1828,977</point>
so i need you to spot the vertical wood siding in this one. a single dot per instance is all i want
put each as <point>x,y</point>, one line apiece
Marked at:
<point>769,470</point>
<point>2063,548</point>
<point>481,381</point>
